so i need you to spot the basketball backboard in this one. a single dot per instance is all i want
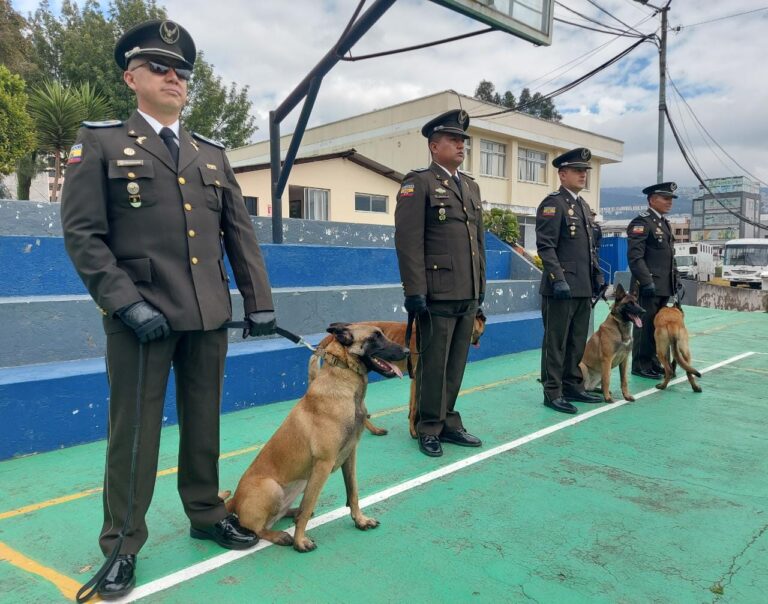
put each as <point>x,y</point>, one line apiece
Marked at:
<point>527,19</point>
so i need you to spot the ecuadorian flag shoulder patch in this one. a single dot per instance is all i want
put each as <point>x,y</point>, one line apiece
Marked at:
<point>75,154</point>
<point>548,211</point>
<point>407,190</point>
<point>638,229</point>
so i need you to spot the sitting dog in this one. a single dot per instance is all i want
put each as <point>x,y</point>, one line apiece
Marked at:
<point>395,331</point>
<point>672,342</point>
<point>318,436</point>
<point>611,345</point>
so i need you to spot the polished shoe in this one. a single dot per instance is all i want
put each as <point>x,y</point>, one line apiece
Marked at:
<point>120,579</point>
<point>561,405</point>
<point>460,437</point>
<point>430,445</point>
<point>227,532</point>
<point>647,373</point>
<point>582,397</point>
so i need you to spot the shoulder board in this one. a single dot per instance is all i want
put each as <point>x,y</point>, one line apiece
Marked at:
<point>104,124</point>
<point>644,214</point>
<point>553,193</point>
<point>467,174</point>
<point>200,137</point>
<point>420,170</point>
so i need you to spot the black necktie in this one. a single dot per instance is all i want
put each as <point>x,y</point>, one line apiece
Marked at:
<point>169,138</point>
<point>457,180</point>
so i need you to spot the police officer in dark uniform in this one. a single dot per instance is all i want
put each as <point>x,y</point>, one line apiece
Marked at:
<point>651,255</point>
<point>147,211</point>
<point>571,277</point>
<point>440,245</point>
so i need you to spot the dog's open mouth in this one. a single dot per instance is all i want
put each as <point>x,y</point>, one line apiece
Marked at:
<point>636,320</point>
<point>385,368</point>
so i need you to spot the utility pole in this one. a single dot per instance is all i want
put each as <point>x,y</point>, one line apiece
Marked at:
<point>664,10</point>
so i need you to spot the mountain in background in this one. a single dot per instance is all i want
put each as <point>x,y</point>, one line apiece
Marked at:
<point>620,203</point>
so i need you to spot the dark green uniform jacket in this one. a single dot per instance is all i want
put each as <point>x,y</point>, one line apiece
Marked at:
<point>651,253</point>
<point>136,228</point>
<point>439,236</point>
<point>565,245</point>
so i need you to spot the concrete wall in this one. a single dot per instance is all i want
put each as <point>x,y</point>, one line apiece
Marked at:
<point>732,298</point>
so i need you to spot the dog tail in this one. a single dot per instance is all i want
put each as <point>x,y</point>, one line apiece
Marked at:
<point>682,360</point>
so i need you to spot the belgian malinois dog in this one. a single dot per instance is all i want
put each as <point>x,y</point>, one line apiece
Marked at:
<point>611,345</point>
<point>672,343</point>
<point>318,436</point>
<point>395,331</point>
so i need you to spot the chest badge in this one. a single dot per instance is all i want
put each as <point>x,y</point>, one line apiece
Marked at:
<point>440,191</point>
<point>129,151</point>
<point>570,211</point>
<point>133,188</point>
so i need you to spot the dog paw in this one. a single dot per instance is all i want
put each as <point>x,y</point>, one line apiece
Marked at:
<point>303,545</point>
<point>697,388</point>
<point>609,400</point>
<point>283,538</point>
<point>660,386</point>
<point>364,523</point>
<point>379,431</point>
<point>629,398</point>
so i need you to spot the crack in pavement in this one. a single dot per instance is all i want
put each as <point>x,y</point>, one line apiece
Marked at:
<point>719,586</point>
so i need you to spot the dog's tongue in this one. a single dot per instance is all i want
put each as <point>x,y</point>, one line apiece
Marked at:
<point>393,368</point>
<point>637,321</point>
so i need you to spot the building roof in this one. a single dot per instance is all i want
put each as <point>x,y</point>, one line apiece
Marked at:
<point>350,154</point>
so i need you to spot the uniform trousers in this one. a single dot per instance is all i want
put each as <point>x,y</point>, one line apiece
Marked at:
<point>643,340</point>
<point>444,341</point>
<point>566,325</point>
<point>197,358</point>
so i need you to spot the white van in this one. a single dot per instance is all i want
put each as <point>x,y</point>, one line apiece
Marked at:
<point>745,260</point>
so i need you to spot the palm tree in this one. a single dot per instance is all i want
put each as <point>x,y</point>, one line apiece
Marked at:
<point>58,111</point>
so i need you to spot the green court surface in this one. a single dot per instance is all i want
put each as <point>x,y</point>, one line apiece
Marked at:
<point>661,500</point>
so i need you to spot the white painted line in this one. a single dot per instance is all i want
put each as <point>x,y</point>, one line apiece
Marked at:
<point>342,512</point>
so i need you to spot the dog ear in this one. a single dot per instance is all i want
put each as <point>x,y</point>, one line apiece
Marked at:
<point>480,315</point>
<point>618,292</point>
<point>341,332</point>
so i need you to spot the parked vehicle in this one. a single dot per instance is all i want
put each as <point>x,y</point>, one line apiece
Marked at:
<point>695,260</point>
<point>745,261</point>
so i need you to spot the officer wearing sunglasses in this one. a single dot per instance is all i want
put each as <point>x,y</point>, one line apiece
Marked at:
<point>147,211</point>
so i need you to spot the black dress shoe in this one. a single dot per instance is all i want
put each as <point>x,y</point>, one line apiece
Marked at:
<point>430,445</point>
<point>120,579</point>
<point>582,397</point>
<point>227,532</point>
<point>460,437</point>
<point>561,405</point>
<point>647,373</point>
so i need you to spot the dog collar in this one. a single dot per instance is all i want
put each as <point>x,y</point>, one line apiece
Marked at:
<point>335,361</point>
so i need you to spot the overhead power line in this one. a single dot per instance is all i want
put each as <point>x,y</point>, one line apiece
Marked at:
<point>611,32</point>
<point>586,18</point>
<point>687,157</point>
<point>611,15</point>
<point>747,12</point>
<point>572,84</point>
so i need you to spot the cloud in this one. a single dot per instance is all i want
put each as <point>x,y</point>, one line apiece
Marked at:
<point>271,45</point>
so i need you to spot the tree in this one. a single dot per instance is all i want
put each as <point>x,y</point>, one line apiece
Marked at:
<point>536,105</point>
<point>16,129</point>
<point>58,111</point>
<point>502,223</point>
<point>215,111</point>
<point>15,48</point>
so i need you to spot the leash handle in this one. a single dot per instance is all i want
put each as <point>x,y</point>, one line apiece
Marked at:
<point>288,335</point>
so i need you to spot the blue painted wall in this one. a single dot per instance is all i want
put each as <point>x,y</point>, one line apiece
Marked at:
<point>36,266</point>
<point>613,255</point>
<point>53,405</point>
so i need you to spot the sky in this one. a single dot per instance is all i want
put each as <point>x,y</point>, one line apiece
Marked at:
<point>719,68</point>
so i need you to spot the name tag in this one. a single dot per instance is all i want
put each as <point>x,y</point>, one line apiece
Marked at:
<point>130,162</point>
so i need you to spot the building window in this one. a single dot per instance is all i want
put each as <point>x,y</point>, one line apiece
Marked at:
<point>466,165</point>
<point>493,158</point>
<point>252,205</point>
<point>589,180</point>
<point>316,204</point>
<point>531,166</point>
<point>365,202</point>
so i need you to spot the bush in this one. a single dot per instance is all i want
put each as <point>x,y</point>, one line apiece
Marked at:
<point>502,223</point>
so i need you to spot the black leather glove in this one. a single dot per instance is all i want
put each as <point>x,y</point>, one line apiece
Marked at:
<point>561,290</point>
<point>416,304</point>
<point>261,323</point>
<point>148,323</point>
<point>647,291</point>
<point>596,290</point>
<point>480,299</point>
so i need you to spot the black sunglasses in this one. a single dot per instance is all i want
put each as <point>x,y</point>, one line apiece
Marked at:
<point>161,69</point>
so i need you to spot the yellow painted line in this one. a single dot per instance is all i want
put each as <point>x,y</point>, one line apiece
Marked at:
<point>68,587</point>
<point>250,449</point>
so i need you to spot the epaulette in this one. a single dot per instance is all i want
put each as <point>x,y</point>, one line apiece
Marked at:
<point>467,174</point>
<point>644,214</point>
<point>104,124</point>
<point>200,137</point>
<point>553,193</point>
<point>420,170</point>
